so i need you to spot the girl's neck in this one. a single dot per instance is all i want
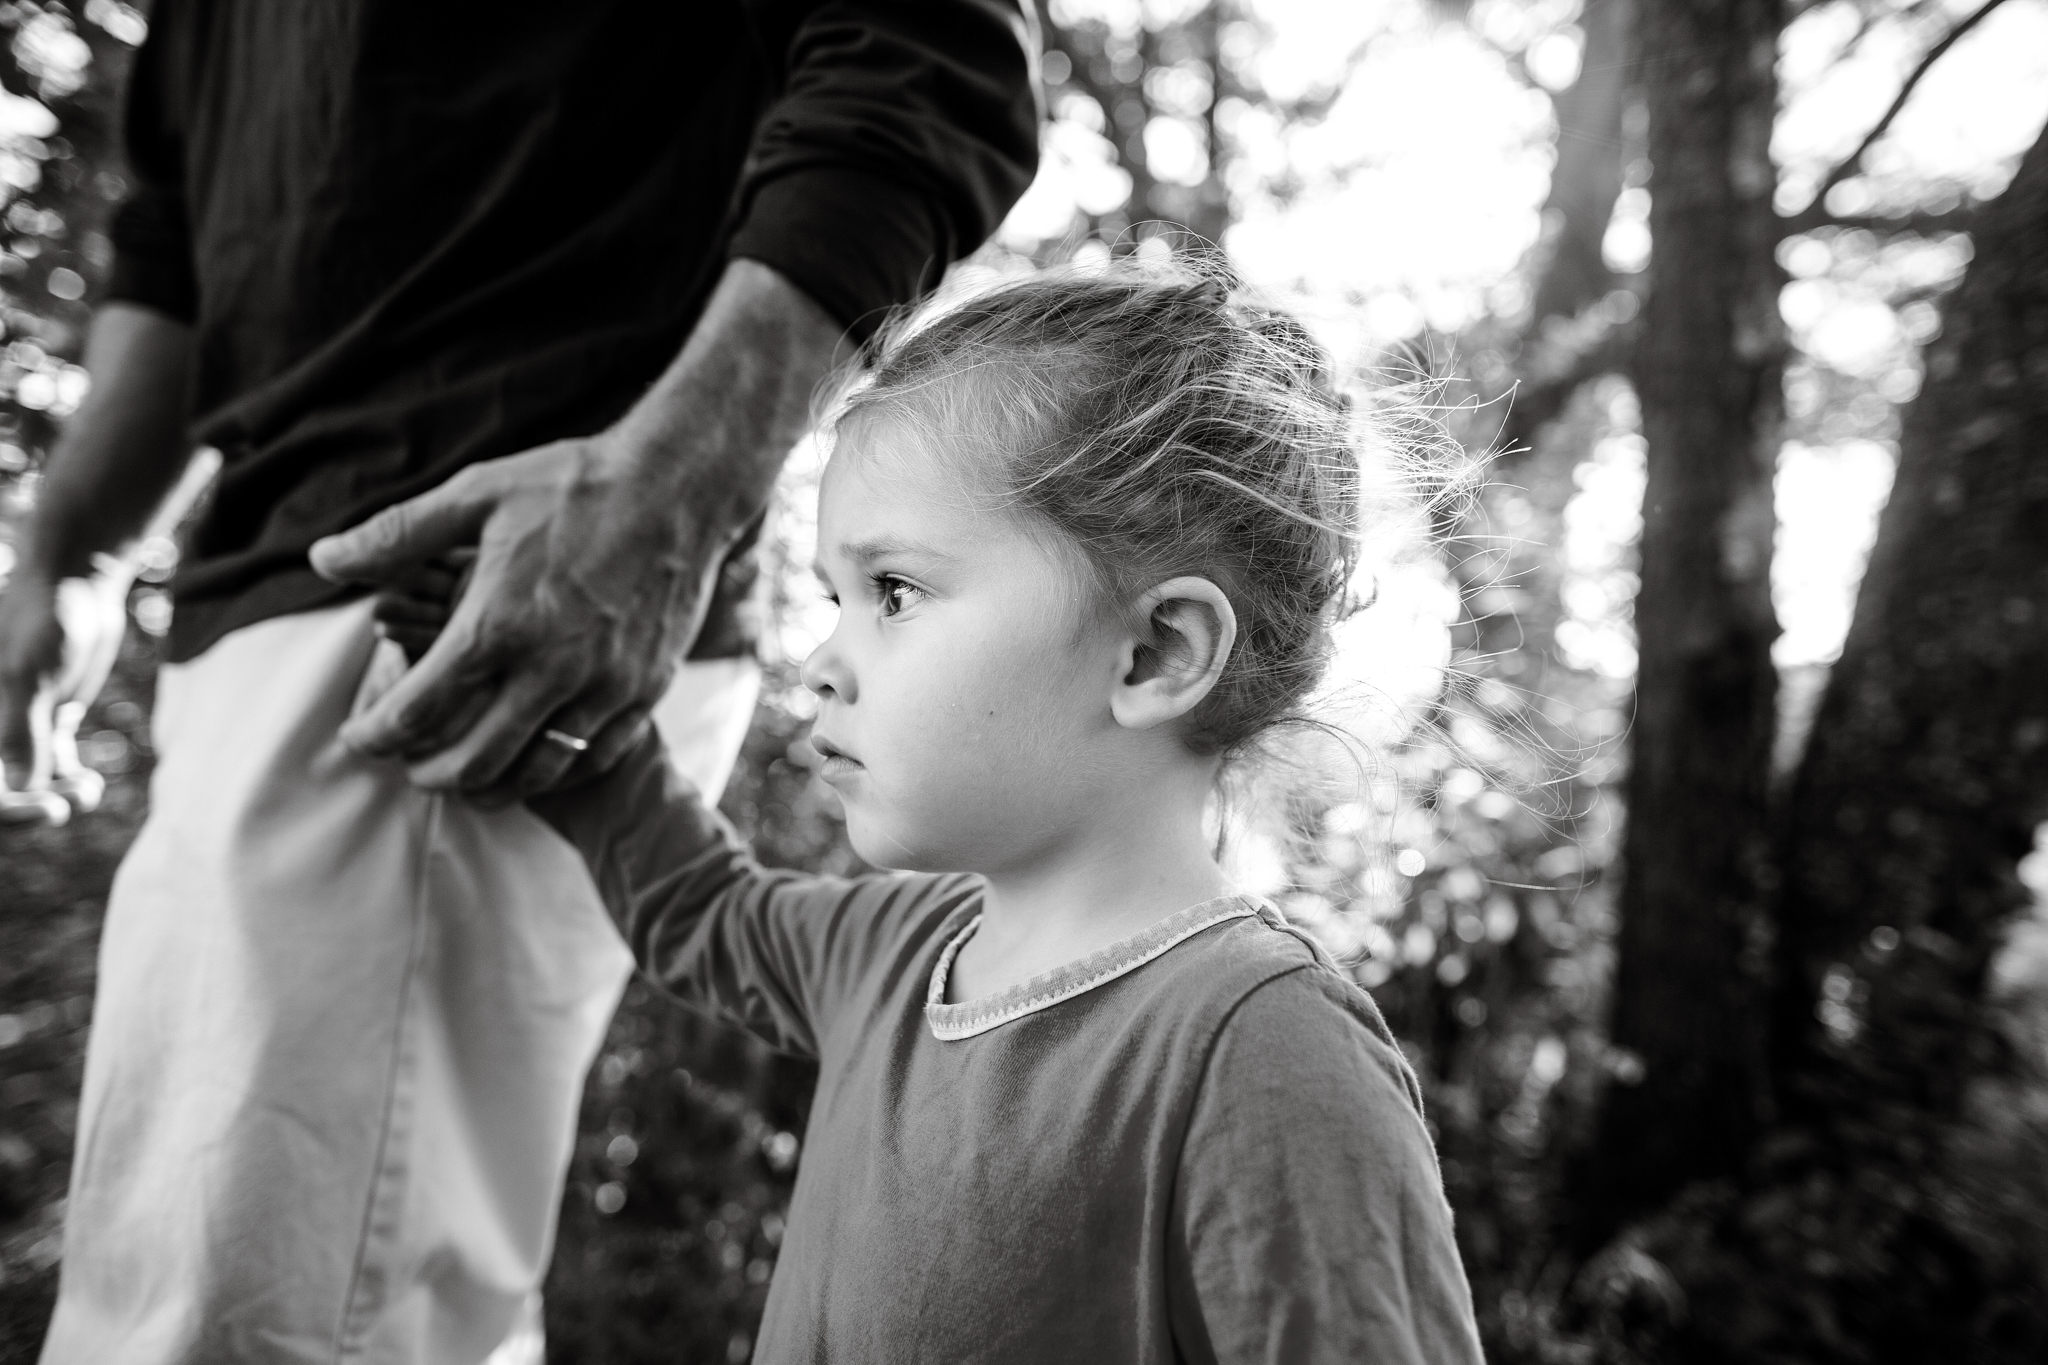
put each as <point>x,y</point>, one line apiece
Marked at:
<point>1115,878</point>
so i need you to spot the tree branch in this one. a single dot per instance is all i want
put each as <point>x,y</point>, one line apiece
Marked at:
<point>1815,213</point>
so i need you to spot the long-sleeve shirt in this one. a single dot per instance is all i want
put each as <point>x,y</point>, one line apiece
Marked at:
<point>413,234</point>
<point>1199,1144</point>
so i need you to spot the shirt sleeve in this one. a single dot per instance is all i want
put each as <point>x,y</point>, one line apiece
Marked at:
<point>1310,1223</point>
<point>778,953</point>
<point>151,231</point>
<point>904,132</point>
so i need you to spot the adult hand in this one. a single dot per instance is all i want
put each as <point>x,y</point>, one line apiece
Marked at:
<point>594,558</point>
<point>584,594</point>
<point>58,642</point>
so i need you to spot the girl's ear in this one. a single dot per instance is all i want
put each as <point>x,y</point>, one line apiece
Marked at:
<point>1166,672</point>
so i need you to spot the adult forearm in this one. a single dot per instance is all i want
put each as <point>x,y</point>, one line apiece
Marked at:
<point>122,450</point>
<point>711,434</point>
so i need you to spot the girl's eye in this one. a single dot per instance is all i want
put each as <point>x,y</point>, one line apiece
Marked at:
<point>896,594</point>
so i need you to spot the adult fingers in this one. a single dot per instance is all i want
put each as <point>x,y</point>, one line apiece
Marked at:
<point>437,698</point>
<point>604,722</point>
<point>608,747</point>
<point>475,761</point>
<point>470,708</point>
<point>620,736</point>
<point>392,544</point>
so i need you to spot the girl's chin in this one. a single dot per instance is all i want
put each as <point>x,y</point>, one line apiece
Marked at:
<point>879,846</point>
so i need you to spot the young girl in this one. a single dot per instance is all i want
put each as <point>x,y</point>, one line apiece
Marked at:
<point>1077,1100</point>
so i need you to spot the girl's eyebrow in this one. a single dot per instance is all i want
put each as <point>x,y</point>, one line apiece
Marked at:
<point>866,551</point>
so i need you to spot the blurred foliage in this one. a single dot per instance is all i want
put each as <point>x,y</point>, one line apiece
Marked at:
<point>53,888</point>
<point>56,188</point>
<point>1477,876</point>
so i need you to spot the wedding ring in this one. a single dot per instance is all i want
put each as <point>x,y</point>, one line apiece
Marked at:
<point>566,740</point>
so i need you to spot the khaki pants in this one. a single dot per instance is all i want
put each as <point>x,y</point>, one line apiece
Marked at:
<point>341,1029</point>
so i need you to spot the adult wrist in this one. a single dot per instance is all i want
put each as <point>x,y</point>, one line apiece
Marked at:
<point>691,486</point>
<point>704,444</point>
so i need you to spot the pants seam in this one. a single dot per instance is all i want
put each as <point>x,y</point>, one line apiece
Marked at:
<point>349,1329</point>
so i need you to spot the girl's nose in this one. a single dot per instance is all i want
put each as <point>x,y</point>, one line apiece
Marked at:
<point>826,673</point>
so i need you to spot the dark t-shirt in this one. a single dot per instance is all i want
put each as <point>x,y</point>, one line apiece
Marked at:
<point>413,234</point>
<point>1199,1144</point>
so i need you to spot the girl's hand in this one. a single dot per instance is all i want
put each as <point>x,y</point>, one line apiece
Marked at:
<point>586,589</point>
<point>413,610</point>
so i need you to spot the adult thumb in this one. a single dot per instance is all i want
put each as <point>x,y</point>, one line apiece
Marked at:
<point>399,537</point>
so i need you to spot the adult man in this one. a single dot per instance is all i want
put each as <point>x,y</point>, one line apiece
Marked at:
<point>580,267</point>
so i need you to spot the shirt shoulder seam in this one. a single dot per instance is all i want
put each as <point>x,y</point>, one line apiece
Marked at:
<point>1202,1070</point>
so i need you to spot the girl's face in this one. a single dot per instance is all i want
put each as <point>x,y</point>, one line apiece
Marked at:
<point>964,693</point>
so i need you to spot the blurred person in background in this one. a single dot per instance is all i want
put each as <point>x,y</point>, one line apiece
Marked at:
<point>583,265</point>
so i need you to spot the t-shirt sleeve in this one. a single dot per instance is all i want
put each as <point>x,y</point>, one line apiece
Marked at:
<point>777,953</point>
<point>1309,1224</point>
<point>151,231</point>
<point>904,131</point>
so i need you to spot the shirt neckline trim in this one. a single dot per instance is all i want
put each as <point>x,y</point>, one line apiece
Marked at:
<point>950,1023</point>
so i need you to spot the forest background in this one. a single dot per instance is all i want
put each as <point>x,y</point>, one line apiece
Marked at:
<point>1704,877</point>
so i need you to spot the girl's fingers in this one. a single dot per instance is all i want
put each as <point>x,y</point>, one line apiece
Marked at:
<point>415,640</point>
<point>433,581</point>
<point>410,611</point>
<point>442,695</point>
<point>440,579</point>
<point>415,610</point>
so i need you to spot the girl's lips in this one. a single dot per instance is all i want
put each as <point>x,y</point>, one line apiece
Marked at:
<point>837,763</point>
<point>837,766</point>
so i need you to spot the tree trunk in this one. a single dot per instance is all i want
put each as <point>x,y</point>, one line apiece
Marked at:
<point>1590,160</point>
<point>1928,765</point>
<point>1851,1237</point>
<point>1210,213</point>
<point>1568,342</point>
<point>1691,958</point>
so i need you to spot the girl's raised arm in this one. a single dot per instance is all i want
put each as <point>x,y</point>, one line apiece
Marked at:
<point>779,953</point>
